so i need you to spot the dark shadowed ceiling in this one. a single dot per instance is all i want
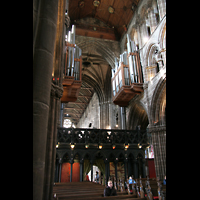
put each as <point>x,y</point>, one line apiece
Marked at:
<point>115,14</point>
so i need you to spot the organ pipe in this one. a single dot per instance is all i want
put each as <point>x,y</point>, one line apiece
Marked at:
<point>73,56</point>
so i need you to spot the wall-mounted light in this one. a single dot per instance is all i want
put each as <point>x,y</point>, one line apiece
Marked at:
<point>126,146</point>
<point>87,146</point>
<point>139,145</point>
<point>100,146</point>
<point>113,146</point>
<point>72,145</point>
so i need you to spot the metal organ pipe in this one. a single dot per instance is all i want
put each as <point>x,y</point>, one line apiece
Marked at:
<point>130,59</point>
<point>74,53</point>
<point>132,63</point>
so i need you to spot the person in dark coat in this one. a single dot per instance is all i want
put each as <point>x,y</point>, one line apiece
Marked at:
<point>110,190</point>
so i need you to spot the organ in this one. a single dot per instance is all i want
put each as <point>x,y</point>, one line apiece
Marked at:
<point>72,79</point>
<point>127,80</point>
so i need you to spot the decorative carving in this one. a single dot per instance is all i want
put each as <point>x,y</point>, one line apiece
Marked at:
<point>82,136</point>
<point>56,91</point>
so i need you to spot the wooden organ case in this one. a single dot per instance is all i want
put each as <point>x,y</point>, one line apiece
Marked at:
<point>72,79</point>
<point>127,80</point>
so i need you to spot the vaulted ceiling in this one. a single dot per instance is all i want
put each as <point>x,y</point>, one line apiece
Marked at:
<point>114,14</point>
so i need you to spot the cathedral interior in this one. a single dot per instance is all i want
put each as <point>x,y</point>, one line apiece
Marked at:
<point>99,91</point>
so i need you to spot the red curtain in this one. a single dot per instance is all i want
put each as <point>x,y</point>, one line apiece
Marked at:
<point>66,170</point>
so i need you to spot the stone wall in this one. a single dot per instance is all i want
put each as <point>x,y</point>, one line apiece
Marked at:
<point>91,114</point>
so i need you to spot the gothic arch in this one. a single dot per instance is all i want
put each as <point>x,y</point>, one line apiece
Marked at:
<point>77,154</point>
<point>158,103</point>
<point>120,157</point>
<point>140,155</point>
<point>87,156</point>
<point>111,157</point>
<point>131,155</point>
<point>66,157</point>
<point>137,116</point>
<point>150,58</point>
<point>100,154</point>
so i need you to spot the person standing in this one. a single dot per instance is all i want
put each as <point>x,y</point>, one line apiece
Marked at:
<point>97,177</point>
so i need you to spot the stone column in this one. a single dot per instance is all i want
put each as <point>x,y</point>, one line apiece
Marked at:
<point>56,93</point>
<point>44,41</point>
<point>104,115</point>
<point>49,148</point>
<point>123,117</point>
<point>158,136</point>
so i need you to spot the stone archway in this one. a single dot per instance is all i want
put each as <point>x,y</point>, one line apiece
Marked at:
<point>137,116</point>
<point>158,104</point>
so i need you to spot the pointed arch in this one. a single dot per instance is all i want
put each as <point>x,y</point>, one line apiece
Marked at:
<point>137,116</point>
<point>158,103</point>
